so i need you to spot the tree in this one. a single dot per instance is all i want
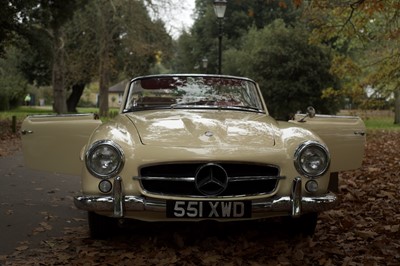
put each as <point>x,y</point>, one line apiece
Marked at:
<point>126,41</point>
<point>36,60</point>
<point>50,17</point>
<point>12,83</point>
<point>367,27</point>
<point>292,74</point>
<point>81,59</point>
<point>31,18</point>
<point>277,55</point>
<point>25,48</point>
<point>241,15</point>
<point>109,41</point>
<point>14,15</point>
<point>105,41</point>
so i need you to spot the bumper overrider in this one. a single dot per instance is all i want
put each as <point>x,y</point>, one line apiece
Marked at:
<point>295,205</point>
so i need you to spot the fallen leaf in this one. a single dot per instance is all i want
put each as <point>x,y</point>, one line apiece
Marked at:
<point>21,248</point>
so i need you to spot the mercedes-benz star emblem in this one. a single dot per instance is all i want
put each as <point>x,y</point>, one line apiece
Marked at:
<point>211,179</point>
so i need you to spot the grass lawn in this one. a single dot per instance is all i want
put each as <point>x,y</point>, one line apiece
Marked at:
<point>23,111</point>
<point>381,123</point>
<point>375,119</point>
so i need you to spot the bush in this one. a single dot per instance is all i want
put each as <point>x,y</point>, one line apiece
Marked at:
<point>291,73</point>
<point>13,85</point>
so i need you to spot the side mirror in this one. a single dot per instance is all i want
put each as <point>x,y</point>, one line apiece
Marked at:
<point>310,113</point>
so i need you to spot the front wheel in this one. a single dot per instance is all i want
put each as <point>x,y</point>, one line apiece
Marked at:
<point>100,226</point>
<point>305,224</point>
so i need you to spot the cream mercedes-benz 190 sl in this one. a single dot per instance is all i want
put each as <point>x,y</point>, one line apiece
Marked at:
<point>197,147</point>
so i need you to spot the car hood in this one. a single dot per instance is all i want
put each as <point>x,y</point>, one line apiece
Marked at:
<point>199,128</point>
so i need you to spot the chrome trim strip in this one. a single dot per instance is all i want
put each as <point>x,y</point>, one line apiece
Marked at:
<point>192,179</point>
<point>196,197</point>
<point>333,116</point>
<point>164,178</point>
<point>338,116</point>
<point>62,115</point>
<point>192,75</point>
<point>255,178</point>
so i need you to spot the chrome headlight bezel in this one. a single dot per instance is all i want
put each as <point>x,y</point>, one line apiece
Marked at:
<point>118,159</point>
<point>314,148</point>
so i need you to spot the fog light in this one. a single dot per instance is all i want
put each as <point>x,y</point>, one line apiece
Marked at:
<point>105,186</point>
<point>312,186</point>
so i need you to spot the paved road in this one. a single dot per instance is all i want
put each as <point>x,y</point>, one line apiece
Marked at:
<point>34,205</point>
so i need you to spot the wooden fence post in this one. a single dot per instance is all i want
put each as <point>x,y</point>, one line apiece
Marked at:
<point>14,124</point>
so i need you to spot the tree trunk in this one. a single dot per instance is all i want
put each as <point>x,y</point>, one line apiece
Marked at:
<point>397,106</point>
<point>59,93</point>
<point>73,99</point>
<point>104,84</point>
<point>105,35</point>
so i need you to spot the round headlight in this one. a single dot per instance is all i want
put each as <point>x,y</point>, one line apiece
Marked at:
<point>311,159</point>
<point>104,159</point>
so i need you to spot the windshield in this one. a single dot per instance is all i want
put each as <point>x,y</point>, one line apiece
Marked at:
<point>193,92</point>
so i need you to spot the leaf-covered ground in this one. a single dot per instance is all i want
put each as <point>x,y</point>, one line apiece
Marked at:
<point>363,230</point>
<point>9,141</point>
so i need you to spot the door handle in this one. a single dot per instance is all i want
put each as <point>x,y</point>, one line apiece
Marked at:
<point>25,132</point>
<point>361,133</point>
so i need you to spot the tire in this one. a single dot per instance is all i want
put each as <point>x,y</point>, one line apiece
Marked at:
<point>100,226</point>
<point>304,225</point>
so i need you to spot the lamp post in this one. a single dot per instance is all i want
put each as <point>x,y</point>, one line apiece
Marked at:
<point>204,61</point>
<point>219,9</point>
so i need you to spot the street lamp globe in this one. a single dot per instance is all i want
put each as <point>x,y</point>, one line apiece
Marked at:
<point>219,8</point>
<point>204,62</point>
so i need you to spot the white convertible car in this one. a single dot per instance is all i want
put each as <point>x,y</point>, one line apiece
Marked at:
<point>197,147</point>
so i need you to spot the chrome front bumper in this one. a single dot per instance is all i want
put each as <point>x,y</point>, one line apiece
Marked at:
<point>294,205</point>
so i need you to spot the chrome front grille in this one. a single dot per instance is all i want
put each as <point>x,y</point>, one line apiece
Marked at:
<point>180,179</point>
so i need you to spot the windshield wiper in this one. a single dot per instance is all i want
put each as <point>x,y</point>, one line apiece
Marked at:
<point>192,104</point>
<point>141,108</point>
<point>203,104</point>
<point>246,108</point>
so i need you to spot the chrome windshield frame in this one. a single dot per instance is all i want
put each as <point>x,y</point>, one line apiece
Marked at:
<point>252,102</point>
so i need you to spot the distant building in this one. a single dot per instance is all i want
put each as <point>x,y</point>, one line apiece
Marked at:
<point>116,93</point>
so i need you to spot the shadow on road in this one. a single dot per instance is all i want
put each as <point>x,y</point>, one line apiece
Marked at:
<point>34,205</point>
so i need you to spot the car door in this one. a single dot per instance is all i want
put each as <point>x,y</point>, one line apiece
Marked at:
<point>54,142</point>
<point>344,136</point>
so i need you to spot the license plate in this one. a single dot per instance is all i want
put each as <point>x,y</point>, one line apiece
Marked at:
<point>208,209</point>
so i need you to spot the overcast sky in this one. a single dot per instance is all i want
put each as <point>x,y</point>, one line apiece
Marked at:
<point>178,16</point>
